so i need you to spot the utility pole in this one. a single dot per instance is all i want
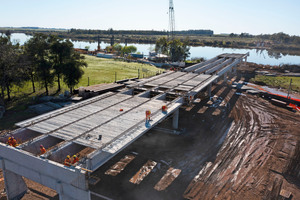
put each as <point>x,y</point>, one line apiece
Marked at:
<point>171,19</point>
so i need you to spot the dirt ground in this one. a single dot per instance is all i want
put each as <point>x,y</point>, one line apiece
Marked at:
<point>235,147</point>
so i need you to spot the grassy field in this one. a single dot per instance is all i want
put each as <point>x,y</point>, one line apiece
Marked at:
<point>278,82</point>
<point>99,70</point>
<point>102,70</point>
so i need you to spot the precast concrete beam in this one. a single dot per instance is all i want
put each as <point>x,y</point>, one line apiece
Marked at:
<point>196,66</point>
<point>224,70</point>
<point>145,94</point>
<point>128,92</point>
<point>218,66</point>
<point>61,111</point>
<point>101,156</point>
<point>175,119</point>
<point>205,84</point>
<point>225,77</point>
<point>32,141</point>
<point>210,65</point>
<point>45,172</point>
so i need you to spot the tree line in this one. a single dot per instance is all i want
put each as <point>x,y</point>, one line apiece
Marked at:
<point>138,32</point>
<point>43,59</point>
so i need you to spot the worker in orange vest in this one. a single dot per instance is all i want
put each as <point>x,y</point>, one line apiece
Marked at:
<point>164,108</point>
<point>42,148</point>
<point>67,161</point>
<point>75,159</point>
<point>148,114</point>
<point>12,141</point>
<point>190,100</point>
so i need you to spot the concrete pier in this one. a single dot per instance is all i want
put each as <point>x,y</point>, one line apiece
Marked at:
<point>209,89</point>
<point>15,185</point>
<point>175,119</point>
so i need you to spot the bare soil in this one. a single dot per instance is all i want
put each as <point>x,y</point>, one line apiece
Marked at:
<point>233,147</point>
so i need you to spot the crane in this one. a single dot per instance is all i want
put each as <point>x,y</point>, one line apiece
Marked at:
<point>171,19</point>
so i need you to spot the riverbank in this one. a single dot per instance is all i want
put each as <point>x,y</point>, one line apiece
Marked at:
<point>273,46</point>
<point>278,77</point>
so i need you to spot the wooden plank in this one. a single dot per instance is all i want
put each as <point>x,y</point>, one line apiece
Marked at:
<point>285,193</point>
<point>120,165</point>
<point>143,172</point>
<point>167,179</point>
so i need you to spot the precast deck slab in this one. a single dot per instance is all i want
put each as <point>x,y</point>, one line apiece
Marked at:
<point>106,123</point>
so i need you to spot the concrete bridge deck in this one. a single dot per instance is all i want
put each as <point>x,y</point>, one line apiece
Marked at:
<point>101,127</point>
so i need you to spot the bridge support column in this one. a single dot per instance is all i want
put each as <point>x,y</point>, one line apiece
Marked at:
<point>175,119</point>
<point>15,186</point>
<point>209,89</point>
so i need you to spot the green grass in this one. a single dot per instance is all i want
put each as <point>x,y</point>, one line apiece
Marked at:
<point>102,70</point>
<point>99,70</point>
<point>278,82</point>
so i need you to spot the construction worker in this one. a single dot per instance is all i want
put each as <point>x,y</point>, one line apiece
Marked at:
<point>12,141</point>
<point>191,100</point>
<point>67,161</point>
<point>75,159</point>
<point>148,114</point>
<point>164,108</point>
<point>42,148</point>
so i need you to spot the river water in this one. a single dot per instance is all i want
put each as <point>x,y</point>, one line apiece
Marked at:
<point>256,56</point>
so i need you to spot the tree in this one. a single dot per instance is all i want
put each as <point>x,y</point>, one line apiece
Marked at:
<point>118,48</point>
<point>162,46</point>
<point>176,49</point>
<point>72,70</point>
<point>60,52</point>
<point>38,49</point>
<point>11,66</point>
<point>179,51</point>
<point>129,49</point>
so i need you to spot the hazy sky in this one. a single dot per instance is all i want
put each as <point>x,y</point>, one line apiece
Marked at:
<point>221,16</point>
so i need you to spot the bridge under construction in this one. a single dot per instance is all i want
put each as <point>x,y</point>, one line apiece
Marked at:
<point>100,127</point>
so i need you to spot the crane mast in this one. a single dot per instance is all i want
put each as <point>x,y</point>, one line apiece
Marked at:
<point>171,20</point>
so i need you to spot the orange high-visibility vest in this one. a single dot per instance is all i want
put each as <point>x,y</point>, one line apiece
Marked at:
<point>75,160</point>
<point>12,142</point>
<point>43,150</point>
<point>67,162</point>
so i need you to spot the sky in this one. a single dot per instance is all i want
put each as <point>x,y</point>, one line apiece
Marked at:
<point>221,16</point>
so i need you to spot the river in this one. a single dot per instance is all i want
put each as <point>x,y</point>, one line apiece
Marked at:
<point>256,56</point>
